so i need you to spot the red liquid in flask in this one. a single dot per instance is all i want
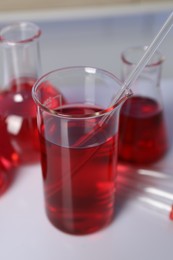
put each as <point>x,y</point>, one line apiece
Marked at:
<point>171,214</point>
<point>79,183</point>
<point>3,181</point>
<point>142,133</point>
<point>8,156</point>
<point>18,112</point>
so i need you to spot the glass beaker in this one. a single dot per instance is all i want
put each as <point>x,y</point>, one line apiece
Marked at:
<point>20,67</point>
<point>142,133</point>
<point>78,146</point>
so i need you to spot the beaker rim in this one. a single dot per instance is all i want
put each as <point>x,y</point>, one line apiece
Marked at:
<point>159,58</point>
<point>88,69</point>
<point>10,34</point>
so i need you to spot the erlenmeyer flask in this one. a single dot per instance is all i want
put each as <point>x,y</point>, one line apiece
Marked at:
<point>20,69</point>
<point>142,133</point>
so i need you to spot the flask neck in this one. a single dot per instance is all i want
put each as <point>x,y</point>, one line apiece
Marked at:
<point>20,53</point>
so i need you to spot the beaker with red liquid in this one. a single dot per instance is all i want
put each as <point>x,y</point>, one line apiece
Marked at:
<point>20,69</point>
<point>78,153</point>
<point>142,130</point>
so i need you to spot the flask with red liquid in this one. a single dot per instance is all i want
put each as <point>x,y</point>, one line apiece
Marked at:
<point>142,130</point>
<point>20,67</point>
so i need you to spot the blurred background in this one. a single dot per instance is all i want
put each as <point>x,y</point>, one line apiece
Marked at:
<point>111,25</point>
<point>9,5</point>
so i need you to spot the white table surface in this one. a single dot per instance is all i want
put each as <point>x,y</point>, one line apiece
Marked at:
<point>137,232</point>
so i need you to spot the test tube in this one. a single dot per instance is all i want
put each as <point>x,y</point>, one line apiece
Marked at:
<point>154,198</point>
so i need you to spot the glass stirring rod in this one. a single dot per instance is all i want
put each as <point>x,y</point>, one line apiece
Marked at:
<point>154,45</point>
<point>125,88</point>
<point>132,77</point>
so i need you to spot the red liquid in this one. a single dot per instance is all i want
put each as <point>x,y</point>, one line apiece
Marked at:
<point>8,156</point>
<point>171,214</point>
<point>18,116</point>
<point>2,182</point>
<point>79,183</point>
<point>142,134</point>
<point>5,180</point>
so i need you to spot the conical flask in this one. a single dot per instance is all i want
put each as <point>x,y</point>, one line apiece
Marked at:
<point>143,133</point>
<point>20,68</point>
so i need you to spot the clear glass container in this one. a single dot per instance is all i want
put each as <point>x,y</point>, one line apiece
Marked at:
<point>20,67</point>
<point>78,129</point>
<point>142,133</point>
